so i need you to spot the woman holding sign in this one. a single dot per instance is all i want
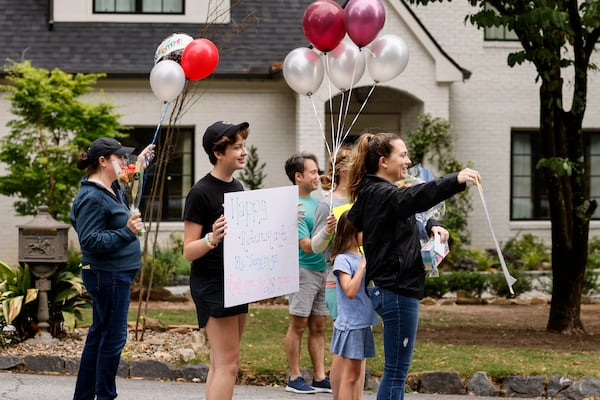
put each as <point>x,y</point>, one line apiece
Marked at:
<point>204,229</point>
<point>385,214</point>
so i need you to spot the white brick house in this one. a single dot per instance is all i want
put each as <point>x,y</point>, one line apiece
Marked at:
<point>453,73</point>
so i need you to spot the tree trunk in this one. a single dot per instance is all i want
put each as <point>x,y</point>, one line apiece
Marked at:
<point>569,211</point>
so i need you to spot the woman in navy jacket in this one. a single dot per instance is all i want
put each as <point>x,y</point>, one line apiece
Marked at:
<point>111,257</point>
<point>386,216</point>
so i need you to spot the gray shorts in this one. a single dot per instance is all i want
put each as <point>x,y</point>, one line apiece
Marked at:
<point>310,298</point>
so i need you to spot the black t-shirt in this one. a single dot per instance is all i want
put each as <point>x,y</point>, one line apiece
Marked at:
<point>204,205</point>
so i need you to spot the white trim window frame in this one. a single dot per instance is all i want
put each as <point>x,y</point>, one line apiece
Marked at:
<point>139,6</point>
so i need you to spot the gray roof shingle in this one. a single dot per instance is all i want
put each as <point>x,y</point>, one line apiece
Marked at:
<point>260,34</point>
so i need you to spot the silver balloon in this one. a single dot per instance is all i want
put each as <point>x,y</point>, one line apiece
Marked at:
<point>303,71</point>
<point>345,65</point>
<point>167,80</point>
<point>387,58</point>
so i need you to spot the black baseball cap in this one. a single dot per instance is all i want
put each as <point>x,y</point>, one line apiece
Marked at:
<point>107,146</point>
<point>217,131</point>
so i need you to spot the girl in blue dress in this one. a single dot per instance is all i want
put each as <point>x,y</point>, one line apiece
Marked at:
<point>352,340</point>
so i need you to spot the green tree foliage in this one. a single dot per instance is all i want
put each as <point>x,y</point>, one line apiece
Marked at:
<point>558,37</point>
<point>51,126</point>
<point>253,175</point>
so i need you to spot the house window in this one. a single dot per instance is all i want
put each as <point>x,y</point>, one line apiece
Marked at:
<point>139,6</point>
<point>179,174</point>
<point>529,195</point>
<point>500,33</point>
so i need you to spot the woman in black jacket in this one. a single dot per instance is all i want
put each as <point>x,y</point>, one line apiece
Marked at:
<point>386,216</point>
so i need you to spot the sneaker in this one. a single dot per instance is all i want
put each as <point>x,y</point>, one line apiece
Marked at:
<point>299,386</point>
<point>323,386</point>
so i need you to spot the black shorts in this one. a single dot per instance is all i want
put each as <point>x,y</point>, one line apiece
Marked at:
<point>209,299</point>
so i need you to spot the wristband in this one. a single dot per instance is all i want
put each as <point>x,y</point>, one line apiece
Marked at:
<point>209,243</point>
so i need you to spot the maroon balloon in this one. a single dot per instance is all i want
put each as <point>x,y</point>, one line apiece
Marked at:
<point>323,24</point>
<point>363,19</point>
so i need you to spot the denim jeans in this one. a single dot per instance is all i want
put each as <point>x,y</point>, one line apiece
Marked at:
<point>400,315</point>
<point>107,335</point>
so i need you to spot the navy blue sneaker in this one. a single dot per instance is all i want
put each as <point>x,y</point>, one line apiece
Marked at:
<point>300,386</point>
<point>323,386</point>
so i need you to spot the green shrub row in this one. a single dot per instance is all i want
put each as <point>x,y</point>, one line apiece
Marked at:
<point>476,283</point>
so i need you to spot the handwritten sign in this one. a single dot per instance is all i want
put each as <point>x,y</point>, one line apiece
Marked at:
<point>261,245</point>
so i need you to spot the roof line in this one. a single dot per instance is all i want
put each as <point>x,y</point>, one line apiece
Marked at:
<point>465,72</point>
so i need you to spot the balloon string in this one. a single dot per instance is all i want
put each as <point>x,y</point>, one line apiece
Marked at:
<point>148,158</point>
<point>321,129</point>
<point>359,111</point>
<point>510,280</point>
<point>162,117</point>
<point>331,114</point>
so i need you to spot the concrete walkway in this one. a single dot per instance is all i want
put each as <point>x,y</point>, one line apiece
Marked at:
<point>14,386</point>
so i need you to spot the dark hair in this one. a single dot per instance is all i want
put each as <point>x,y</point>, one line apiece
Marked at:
<point>222,144</point>
<point>365,158</point>
<point>296,164</point>
<point>342,162</point>
<point>345,236</point>
<point>83,162</point>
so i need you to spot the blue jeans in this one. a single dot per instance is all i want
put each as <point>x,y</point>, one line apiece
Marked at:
<point>107,335</point>
<point>400,315</point>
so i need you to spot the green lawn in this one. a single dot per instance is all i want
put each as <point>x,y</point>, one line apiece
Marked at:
<point>263,355</point>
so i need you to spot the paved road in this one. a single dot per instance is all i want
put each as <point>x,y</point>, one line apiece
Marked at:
<point>15,386</point>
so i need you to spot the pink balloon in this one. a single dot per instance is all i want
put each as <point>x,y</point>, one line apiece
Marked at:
<point>363,20</point>
<point>323,24</point>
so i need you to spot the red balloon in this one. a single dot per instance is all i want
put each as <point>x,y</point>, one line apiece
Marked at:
<point>199,59</point>
<point>363,20</point>
<point>323,24</point>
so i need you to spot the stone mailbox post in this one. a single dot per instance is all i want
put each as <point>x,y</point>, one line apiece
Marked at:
<point>43,245</point>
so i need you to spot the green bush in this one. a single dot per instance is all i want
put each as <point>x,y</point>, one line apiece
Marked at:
<point>499,287</point>
<point>590,282</point>
<point>468,281</point>
<point>19,299</point>
<point>436,287</point>
<point>67,296</point>
<point>593,259</point>
<point>529,252</point>
<point>480,259</point>
<point>166,262</point>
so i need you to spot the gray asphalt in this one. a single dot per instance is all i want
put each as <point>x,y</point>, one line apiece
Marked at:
<point>14,386</point>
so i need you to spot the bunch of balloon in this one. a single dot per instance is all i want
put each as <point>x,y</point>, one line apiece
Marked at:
<point>178,57</point>
<point>338,37</point>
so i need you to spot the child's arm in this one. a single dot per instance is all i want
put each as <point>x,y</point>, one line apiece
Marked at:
<point>352,284</point>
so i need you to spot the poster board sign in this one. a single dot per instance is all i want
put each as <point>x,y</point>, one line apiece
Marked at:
<point>261,244</point>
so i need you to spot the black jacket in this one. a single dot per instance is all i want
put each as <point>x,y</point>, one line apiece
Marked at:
<point>386,216</point>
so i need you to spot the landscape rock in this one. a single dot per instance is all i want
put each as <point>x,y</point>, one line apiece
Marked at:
<point>192,372</point>
<point>520,386</point>
<point>151,369</point>
<point>480,385</point>
<point>587,387</point>
<point>444,382</point>
<point>557,383</point>
<point>43,363</point>
<point>8,362</point>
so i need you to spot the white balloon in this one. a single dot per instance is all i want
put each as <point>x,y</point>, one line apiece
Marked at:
<point>172,47</point>
<point>167,80</point>
<point>387,58</point>
<point>303,71</point>
<point>345,65</point>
